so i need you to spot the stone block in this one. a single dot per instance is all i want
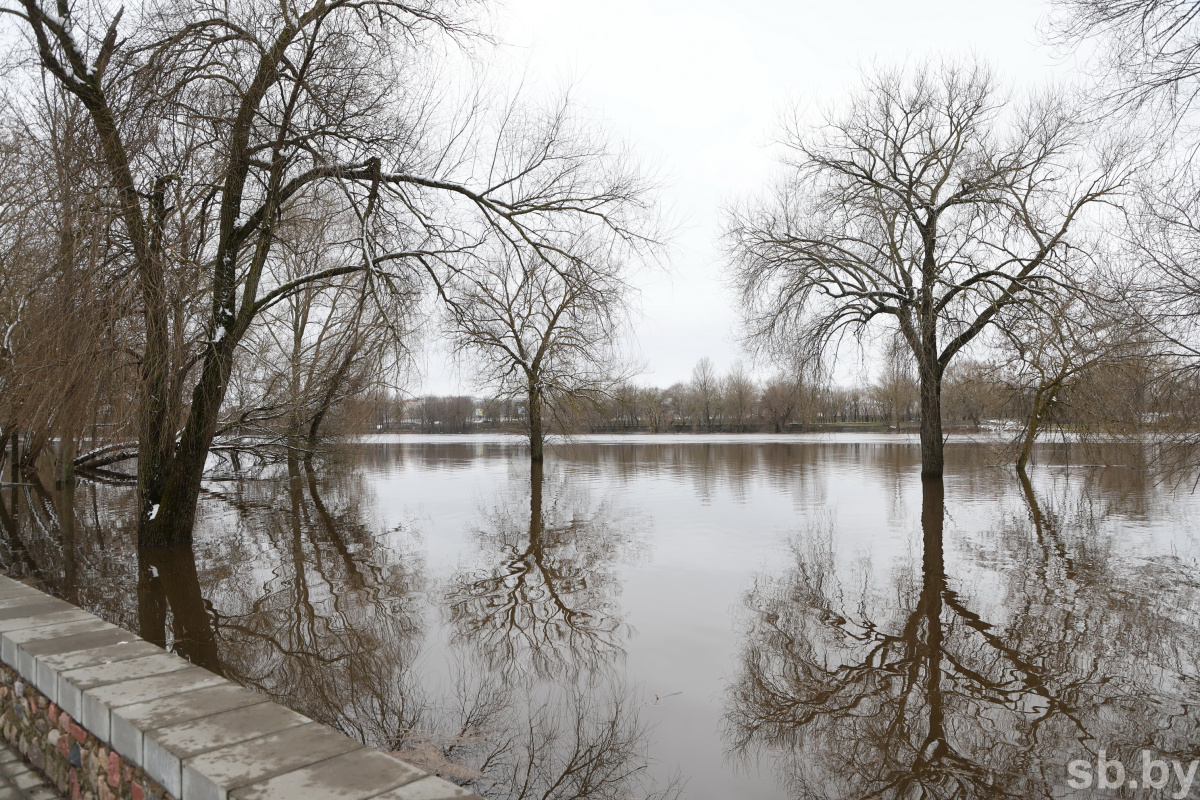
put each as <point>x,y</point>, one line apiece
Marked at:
<point>131,723</point>
<point>212,775</point>
<point>10,641</point>
<point>220,730</point>
<point>99,701</point>
<point>73,683</point>
<point>32,606</point>
<point>108,654</point>
<point>357,775</point>
<point>10,588</point>
<point>28,652</point>
<point>18,623</point>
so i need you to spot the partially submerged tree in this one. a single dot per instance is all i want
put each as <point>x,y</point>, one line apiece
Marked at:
<point>930,201</point>
<point>1144,55</point>
<point>1066,358</point>
<point>328,341</point>
<point>547,328</point>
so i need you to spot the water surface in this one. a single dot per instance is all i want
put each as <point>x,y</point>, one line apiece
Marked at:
<point>695,616</point>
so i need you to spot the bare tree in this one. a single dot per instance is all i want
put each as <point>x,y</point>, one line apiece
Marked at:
<point>57,381</point>
<point>973,390</point>
<point>781,401</point>
<point>329,340</point>
<point>706,393</point>
<point>931,201</point>
<point>658,408</point>
<point>740,392</point>
<point>1052,353</point>
<point>682,402</point>
<point>1145,56</point>
<point>545,329</point>
<point>895,389</point>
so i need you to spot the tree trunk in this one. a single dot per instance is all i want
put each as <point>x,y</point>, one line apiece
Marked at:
<point>1031,432</point>
<point>155,435</point>
<point>536,474</point>
<point>66,462</point>
<point>156,416</point>
<point>175,516</point>
<point>1043,401</point>
<point>933,515</point>
<point>327,397</point>
<point>932,443</point>
<point>536,434</point>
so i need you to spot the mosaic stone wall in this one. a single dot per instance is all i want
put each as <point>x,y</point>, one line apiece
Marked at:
<point>75,761</point>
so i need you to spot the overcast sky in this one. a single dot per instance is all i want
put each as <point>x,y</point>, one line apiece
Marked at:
<point>697,87</point>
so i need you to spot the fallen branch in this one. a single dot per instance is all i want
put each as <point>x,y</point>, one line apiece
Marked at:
<point>108,454</point>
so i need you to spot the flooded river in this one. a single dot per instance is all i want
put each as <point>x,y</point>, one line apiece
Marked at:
<point>682,616</point>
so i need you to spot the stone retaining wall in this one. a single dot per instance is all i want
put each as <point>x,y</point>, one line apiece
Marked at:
<point>108,716</point>
<point>74,760</point>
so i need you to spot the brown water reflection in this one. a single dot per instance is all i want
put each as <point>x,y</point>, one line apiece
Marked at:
<point>545,601</point>
<point>855,691</point>
<point>771,618</point>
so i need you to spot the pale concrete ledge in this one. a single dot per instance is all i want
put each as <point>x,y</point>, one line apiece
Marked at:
<point>194,734</point>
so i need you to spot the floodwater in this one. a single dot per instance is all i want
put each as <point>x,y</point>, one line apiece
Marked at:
<point>675,616</point>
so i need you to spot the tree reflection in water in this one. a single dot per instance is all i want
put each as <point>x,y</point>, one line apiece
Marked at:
<point>539,709</point>
<point>291,589</point>
<point>508,738</point>
<point>545,601</point>
<point>974,670</point>
<point>855,692</point>
<point>314,608</point>
<point>336,632</point>
<point>168,585</point>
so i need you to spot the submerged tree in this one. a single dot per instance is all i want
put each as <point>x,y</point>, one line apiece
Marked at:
<point>930,201</point>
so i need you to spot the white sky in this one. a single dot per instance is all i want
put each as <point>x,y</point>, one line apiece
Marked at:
<point>697,86</point>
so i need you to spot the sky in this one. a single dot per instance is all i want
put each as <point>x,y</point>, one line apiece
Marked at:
<point>697,89</point>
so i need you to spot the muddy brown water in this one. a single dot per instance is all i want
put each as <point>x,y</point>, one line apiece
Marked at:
<point>703,617</point>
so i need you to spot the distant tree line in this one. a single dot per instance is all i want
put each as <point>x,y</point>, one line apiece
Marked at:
<point>1136,393</point>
